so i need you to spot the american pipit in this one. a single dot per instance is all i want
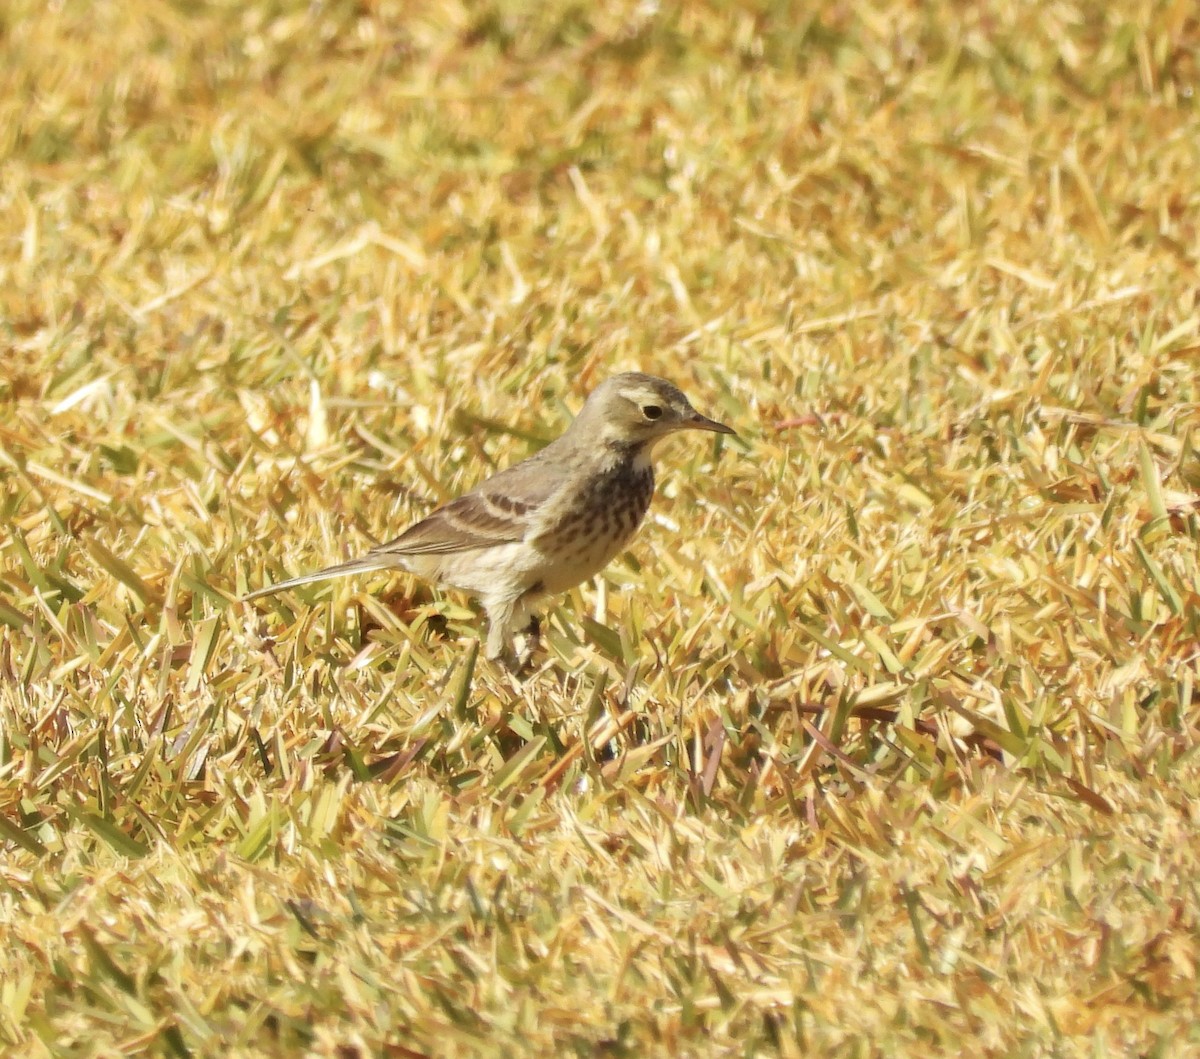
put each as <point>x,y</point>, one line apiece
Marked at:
<point>549,522</point>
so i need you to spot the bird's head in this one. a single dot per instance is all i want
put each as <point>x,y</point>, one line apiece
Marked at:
<point>635,410</point>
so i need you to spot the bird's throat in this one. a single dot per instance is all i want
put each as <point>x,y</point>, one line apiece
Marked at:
<point>623,452</point>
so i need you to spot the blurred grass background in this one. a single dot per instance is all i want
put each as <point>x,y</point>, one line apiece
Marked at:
<point>882,738</point>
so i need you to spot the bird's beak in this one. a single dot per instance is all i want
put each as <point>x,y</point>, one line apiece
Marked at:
<point>699,422</point>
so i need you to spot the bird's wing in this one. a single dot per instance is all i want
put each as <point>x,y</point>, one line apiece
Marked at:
<point>500,511</point>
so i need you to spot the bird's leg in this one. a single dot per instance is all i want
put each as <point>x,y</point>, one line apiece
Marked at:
<point>505,618</point>
<point>497,639</point>
<point>513,636</point>
<point>531,639</point>
<point>527,639</point>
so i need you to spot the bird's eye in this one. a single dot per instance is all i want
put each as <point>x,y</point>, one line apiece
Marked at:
<point>651,411</point>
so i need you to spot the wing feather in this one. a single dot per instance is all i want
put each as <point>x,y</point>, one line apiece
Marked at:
<point>500,511</point>
<point>503,510</point>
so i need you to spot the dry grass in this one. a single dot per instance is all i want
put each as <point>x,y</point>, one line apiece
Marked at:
<point>886,740</point>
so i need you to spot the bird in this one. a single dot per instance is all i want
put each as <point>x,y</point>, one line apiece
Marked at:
<point>546,524</point>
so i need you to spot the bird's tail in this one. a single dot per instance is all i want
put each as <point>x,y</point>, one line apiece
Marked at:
<point>362,565</point>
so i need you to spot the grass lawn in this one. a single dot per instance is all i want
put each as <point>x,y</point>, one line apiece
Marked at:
<point>881,740</point>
